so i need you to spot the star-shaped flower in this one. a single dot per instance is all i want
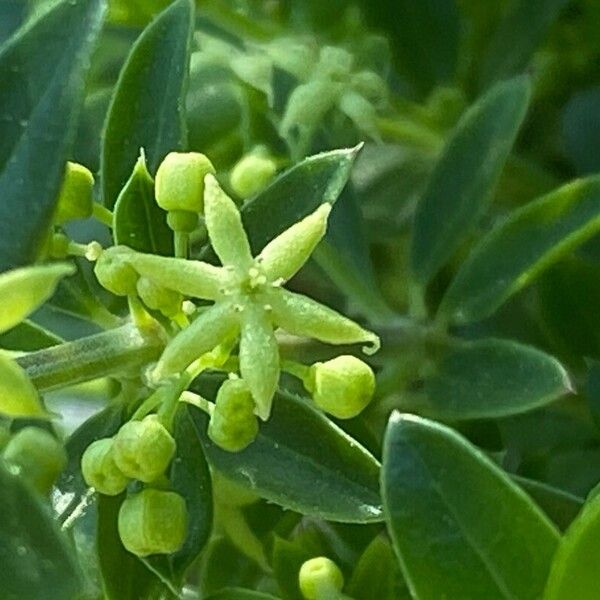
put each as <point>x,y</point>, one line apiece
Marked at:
<point>249,300</point>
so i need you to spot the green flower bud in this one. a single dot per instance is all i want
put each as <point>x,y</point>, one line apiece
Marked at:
<point>114,272</point>
<point>153,522</point>
<point>180,181</point>
<point>370,85</point>
<point>251,174</point>
<point>334,63</point>
<point>75,199</point>
<point>39,456</point>
<point>158,297</point>
<point>144,449</point>
<point>342,387</point>
<point>233,424</point>
<point>319,577</point>
<point>99,469</point>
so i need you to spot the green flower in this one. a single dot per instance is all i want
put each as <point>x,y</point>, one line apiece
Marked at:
<point>249,300</point>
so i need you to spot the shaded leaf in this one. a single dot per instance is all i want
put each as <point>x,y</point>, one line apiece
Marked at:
<point>463,181</point>
<point>27,337</point>
<point>460,526</point>
<point>515,252</point>
<point>42,69</point>
<point>147,110</point>
<point>240,594</point>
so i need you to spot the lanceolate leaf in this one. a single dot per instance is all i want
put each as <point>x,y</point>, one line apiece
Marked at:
<point>139,222</point>
<point>42,69</point>
<point>574,573</point>
<point>147,110</point>
<point>464,179</point>
<point>518,250</point>
<point>489,378</point>
<point>304,462</point>
<point>18,396</point>
<point>37,561</point>
<point>460,526</point>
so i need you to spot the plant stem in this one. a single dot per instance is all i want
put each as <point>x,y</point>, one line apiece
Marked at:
<point>181,241</point>
<point>102,214</point>
<point>111,352</point>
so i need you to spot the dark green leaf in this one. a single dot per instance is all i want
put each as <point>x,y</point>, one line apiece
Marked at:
<point>489,378</point>
<point>36,560</point>
<point>190,478</point>
<point>517,37</point>
<point>138,220</point>
<point>518,250</point>
<point>465,177</point>
<point>147,110</point>
<point>574,573</point>
<point>42,69</point>
<point>460,526</point>
<point>12,15</point>
<point>302,461</point>
<point>27,337</point>
<point>240,594</point>
<point>288,557</point>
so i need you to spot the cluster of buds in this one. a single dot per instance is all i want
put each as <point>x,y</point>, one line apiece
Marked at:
<point>152,521</point>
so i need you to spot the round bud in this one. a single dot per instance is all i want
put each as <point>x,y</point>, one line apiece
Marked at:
<point>343,386</point>
<point>318,576</point>
<point>114,272</point>
<point>75,199</point>
<point>233,424</point>
<point>153,522</point>
<point>144,449</point>
<point>158,297</point>
<point>39,456</point>
<point>251,174</point>
<point>99,469</point>
<point>180,181</point>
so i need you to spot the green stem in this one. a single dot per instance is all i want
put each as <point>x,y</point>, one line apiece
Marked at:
<point>296,369</point>
<point>181,241</point>
<point>112,352</point>
<point>102,214</point>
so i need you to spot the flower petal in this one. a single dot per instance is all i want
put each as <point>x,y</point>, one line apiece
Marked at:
<point>300,315</point>
<point>206,331</point>
<point>283,257</point>
<point>224,225</point>
<point>259,357</point>
<point>192,278</point>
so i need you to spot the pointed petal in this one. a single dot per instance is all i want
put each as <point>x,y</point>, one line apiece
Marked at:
<point>192,278</point>
<point>300,315</point>
<point>283,257</point>
<point>259,358</point>
<point>224,225</point>
<point>206,331</point>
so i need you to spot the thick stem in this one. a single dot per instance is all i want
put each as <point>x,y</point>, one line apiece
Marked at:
<point>112,352</point>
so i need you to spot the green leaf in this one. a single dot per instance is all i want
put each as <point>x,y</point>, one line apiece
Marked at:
<point>18,396</point>
<point>27,337</point>
<point>125,576</point>
<point>516,38</point>
<point>460,526</point>
<point>147,110</point>
<point>189,476</point>
<point>574,571</point>
<point>465,177</point>
<point>518,250</point>
<point>240,594</point>
<point>302,461</point>
<point>562,507</point>
<point>25,289</point>
<point>42,69</point>
<point>37,561</point>
<point>488,379</point>
<point>138,220</point>
<point>287,558</point>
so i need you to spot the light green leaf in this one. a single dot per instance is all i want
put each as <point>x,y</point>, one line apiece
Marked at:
<point>18,396</point>
<point>26,289</point>
<point>147,110</point>
<point>42,69</point>
<point>37,561</point>
<point>488,379</point>
<point>139,222</point>
<point>514,253</point>
<point>574,573</point>
<point>516,38</point>
<point>465,177</point>
<point>460,526</point>
<point>302,461</point>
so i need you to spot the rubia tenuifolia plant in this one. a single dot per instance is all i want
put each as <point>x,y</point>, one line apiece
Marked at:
<point>235,454</point>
